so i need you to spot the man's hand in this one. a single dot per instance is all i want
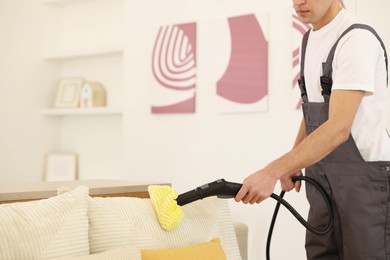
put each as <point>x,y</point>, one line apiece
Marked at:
<point>256,187</point>
<point>287,184</point>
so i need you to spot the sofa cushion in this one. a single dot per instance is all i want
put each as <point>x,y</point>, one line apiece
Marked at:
<point>122,253</point>
<point>46,228</point>
<point>118,222</point>
<point>211,250</point>
<point>206,251</point>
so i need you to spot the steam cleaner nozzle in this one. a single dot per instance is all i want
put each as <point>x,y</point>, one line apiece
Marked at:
<point>166,202</point>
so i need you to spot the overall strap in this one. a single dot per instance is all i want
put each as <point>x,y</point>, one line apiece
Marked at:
<point>301,81</point>
<point>326,79</point>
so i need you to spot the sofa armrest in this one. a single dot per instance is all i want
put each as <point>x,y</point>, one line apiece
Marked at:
<point>241,230</point>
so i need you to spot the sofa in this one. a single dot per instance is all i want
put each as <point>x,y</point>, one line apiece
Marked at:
<point>75,226</point>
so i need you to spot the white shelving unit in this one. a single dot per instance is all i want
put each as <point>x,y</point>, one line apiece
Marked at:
<point>85,40</point>
<point>63,2</point>
<point>83,53</point>
<point>82,111</point>
<point>83,45</point>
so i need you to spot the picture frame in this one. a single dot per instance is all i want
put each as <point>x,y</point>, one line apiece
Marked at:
<point>68,92</point>
<point>61,167</point>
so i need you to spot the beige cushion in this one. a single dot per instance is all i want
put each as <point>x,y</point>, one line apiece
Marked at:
<point>118,222</point>
<point>47,228</point>
<point>241,230</point>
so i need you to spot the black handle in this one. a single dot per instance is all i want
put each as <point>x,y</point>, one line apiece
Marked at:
<point>229,190</point>
<point>219,188</point>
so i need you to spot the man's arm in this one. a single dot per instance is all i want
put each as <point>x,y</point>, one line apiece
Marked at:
<point>343,107</point>
<point>301,134</point>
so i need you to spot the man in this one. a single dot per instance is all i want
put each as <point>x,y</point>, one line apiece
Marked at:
<point>342,142</point>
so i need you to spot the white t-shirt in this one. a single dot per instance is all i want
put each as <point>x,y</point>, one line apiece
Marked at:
<point>358,64</point>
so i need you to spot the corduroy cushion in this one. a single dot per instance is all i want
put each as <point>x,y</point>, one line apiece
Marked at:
<point>46,228</point>
<point>211,250</point>
<point>205,251</point>
<point>123,253</point>
<point>119,222</point>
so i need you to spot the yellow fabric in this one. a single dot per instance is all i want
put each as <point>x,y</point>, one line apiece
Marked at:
<point>205,251</point>
<point>163,198</point>
<point>122,253</point>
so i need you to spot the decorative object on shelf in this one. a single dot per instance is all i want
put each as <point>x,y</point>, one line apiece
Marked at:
<point>174,69</point>
<point>61,167</point>
<point>92,94</point>
<point>68,93</point>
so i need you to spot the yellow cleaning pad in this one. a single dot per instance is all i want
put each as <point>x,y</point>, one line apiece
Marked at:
<point>163,198</point>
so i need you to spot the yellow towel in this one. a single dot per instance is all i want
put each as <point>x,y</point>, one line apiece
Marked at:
<point>163,198</point>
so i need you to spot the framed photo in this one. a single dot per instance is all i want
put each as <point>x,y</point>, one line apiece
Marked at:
<point>68,92</point>
<point>61,167</point>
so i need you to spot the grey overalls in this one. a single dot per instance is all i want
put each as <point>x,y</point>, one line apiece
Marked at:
<point>359,189</point>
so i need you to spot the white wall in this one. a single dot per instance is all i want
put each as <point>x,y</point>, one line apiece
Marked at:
<point>190,150</point>
<point>186,150</point>
<point>25,135</point>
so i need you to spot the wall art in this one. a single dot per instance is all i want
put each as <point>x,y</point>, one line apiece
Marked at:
<point>242,58</point>
<point>174,69</point>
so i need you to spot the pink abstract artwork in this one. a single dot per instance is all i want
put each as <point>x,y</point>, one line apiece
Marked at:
<point>299,29</point>
<point>243,86</point>
<point>174,69</point>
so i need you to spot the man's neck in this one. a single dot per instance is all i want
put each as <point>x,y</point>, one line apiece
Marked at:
<point>332,12</point>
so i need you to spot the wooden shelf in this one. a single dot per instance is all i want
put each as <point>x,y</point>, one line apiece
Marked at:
<point>74,54</point>
<point>82,111</point>
<point>63,2</point>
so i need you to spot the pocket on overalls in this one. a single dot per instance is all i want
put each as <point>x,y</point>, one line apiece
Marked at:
<point>319,214</point>
<point>360,194</point>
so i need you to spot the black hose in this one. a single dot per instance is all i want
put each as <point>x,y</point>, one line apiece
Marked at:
<point>307,225</point>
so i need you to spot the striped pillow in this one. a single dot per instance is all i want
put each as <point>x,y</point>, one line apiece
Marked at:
<point>46,228</point>
<point>119,222</point>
